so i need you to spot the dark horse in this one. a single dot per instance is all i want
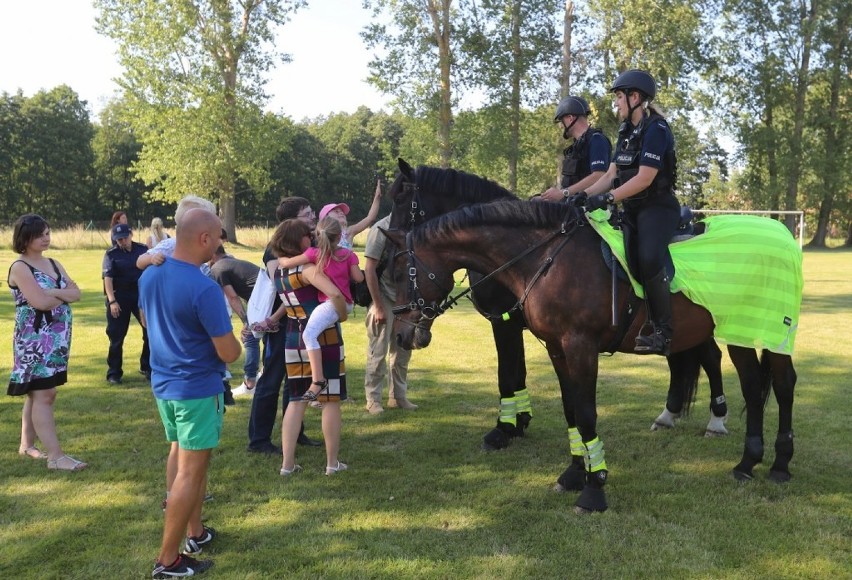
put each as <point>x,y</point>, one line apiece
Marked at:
<point>427,192</point>
<point>547,256</point>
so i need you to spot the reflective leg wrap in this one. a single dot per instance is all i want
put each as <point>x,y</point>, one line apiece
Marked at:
<point>594,455</point>
<point>576,443</point>
<point>509,411</point>
<point>523,400</point>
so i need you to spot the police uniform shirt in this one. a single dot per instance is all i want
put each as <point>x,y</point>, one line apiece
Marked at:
<point>657,140</point>
<point>120,265</point>
<point>599,153</point>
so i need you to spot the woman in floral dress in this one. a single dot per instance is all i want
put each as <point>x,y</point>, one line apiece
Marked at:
<point>42,291</point>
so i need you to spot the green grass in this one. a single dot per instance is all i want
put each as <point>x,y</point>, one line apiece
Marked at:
<point>420,499</point>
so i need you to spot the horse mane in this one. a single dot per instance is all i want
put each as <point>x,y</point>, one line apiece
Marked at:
<point>514,214</point>
<point>466,187</point>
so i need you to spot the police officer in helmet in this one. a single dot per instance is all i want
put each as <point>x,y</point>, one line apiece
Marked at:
<point>587,158</point>
<point>642,176</point>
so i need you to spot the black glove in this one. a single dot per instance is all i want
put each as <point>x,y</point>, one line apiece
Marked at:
<point>578,199</point>
<point>599,201</point>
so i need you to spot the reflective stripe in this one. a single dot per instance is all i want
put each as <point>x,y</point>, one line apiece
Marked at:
<point>594,457</point>
<point>576,442</point>
<point>509,411</point>
<point>524,404</point>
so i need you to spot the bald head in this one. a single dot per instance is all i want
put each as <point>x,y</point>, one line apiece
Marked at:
<point>197,236</point>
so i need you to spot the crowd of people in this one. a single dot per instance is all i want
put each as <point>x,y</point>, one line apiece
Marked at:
<point>183,289</point>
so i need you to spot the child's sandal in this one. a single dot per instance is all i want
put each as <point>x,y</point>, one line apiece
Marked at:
<point>312,396</point>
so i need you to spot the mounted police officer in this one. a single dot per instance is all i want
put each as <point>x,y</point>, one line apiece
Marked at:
<point>121,286</point>
<point>642,176</point>
<point>587,158</point>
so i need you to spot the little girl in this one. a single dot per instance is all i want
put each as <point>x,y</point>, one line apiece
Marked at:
<point>339,211</point>
<point>340,265</point>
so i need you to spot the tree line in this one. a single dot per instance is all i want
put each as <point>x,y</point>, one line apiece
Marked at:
<point>771,76</point>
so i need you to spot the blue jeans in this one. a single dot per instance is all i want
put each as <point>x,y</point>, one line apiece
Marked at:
<point>252,362</point>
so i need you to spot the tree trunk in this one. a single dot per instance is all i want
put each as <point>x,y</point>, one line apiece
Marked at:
<point>515,99</point>
<point>807,21</point>
<point>832,142</point>
<point>565,81</point>
<point>441,30</point>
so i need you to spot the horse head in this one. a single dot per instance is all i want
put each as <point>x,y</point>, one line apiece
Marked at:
<point>420,290</point>
<point>422,194</point>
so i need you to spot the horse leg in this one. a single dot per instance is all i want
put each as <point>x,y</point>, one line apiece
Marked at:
<point>574,476</point>
<point>711,361</point>
<point>783,383</point>
<point>515,408</point>
<point>754,384</point>
<point>683,380</point>
<point>577,368</point>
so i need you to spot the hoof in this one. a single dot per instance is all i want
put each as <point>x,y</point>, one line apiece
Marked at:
<point>495,440</point>
<point>571,480</point>
<point>709,433</point>
<point>592,499</point>
<point>780,476</point>
<point>742,475</point>
<point>665,420</point>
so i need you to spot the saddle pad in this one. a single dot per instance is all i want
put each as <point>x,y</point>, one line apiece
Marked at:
<point>746,270</point>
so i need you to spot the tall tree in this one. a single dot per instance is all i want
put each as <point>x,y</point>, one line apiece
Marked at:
<point>419,63</point>
<point>511,51</point>
<point>194,86</point>
<point>832,113</point>
<point>116,149</point>
<point>46,149</point>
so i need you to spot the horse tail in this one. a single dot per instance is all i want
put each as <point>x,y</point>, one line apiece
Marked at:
<point>685,368</point>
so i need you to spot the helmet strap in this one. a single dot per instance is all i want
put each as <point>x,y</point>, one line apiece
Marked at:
<point>567,132</point>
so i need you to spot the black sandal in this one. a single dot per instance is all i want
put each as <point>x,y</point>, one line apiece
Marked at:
<point>311,396</point>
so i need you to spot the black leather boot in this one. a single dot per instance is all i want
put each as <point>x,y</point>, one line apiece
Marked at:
<point>659,298</point>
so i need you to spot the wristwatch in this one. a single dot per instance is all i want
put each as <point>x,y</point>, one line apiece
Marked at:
<point>566,194</point>
<point>609,197</point>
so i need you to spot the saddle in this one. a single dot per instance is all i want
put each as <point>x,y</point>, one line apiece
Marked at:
<point>686,230</point>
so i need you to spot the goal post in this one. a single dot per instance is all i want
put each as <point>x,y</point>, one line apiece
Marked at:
<point>767,212</point>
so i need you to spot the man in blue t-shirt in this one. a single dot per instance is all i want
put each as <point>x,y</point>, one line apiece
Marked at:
<point>191,340</point>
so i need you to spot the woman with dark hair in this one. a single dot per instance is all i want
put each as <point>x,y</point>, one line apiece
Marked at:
<point>642,176</point>
<point>298,289</point>
<point>118,217</point>
<point>42,291</point>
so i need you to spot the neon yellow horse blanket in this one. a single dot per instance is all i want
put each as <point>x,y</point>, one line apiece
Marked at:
<point>746,270</point>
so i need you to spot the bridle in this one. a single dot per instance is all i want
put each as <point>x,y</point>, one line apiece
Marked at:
<point>416,302</point>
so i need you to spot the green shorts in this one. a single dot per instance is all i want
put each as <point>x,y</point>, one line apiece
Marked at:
<point>195,424</point>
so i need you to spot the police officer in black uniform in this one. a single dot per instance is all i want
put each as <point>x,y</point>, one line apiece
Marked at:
<point>587,158</point>
<point>121,286</point>
<point>642,176</point>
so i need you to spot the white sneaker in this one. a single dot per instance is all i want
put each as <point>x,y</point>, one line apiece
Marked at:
<point>243,389</point>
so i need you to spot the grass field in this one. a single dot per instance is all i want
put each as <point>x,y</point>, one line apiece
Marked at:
<point>420,499</point>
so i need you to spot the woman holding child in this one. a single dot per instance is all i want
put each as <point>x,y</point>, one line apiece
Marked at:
<point>298,288</point>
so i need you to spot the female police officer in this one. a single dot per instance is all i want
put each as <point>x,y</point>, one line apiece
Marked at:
<point>642,176</point>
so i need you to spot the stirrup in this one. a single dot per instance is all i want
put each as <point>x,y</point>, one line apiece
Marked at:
<point>656,343</point>
<point>311,396</point>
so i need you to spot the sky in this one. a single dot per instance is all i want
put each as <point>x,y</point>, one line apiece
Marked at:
<point>46,43</point>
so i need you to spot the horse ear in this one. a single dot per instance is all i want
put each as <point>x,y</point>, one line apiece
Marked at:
<point>405,168</point>
<point>396,237</point>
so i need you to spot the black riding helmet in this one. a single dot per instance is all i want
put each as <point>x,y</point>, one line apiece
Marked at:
<point>636,80</point>
<point>576,106</point>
